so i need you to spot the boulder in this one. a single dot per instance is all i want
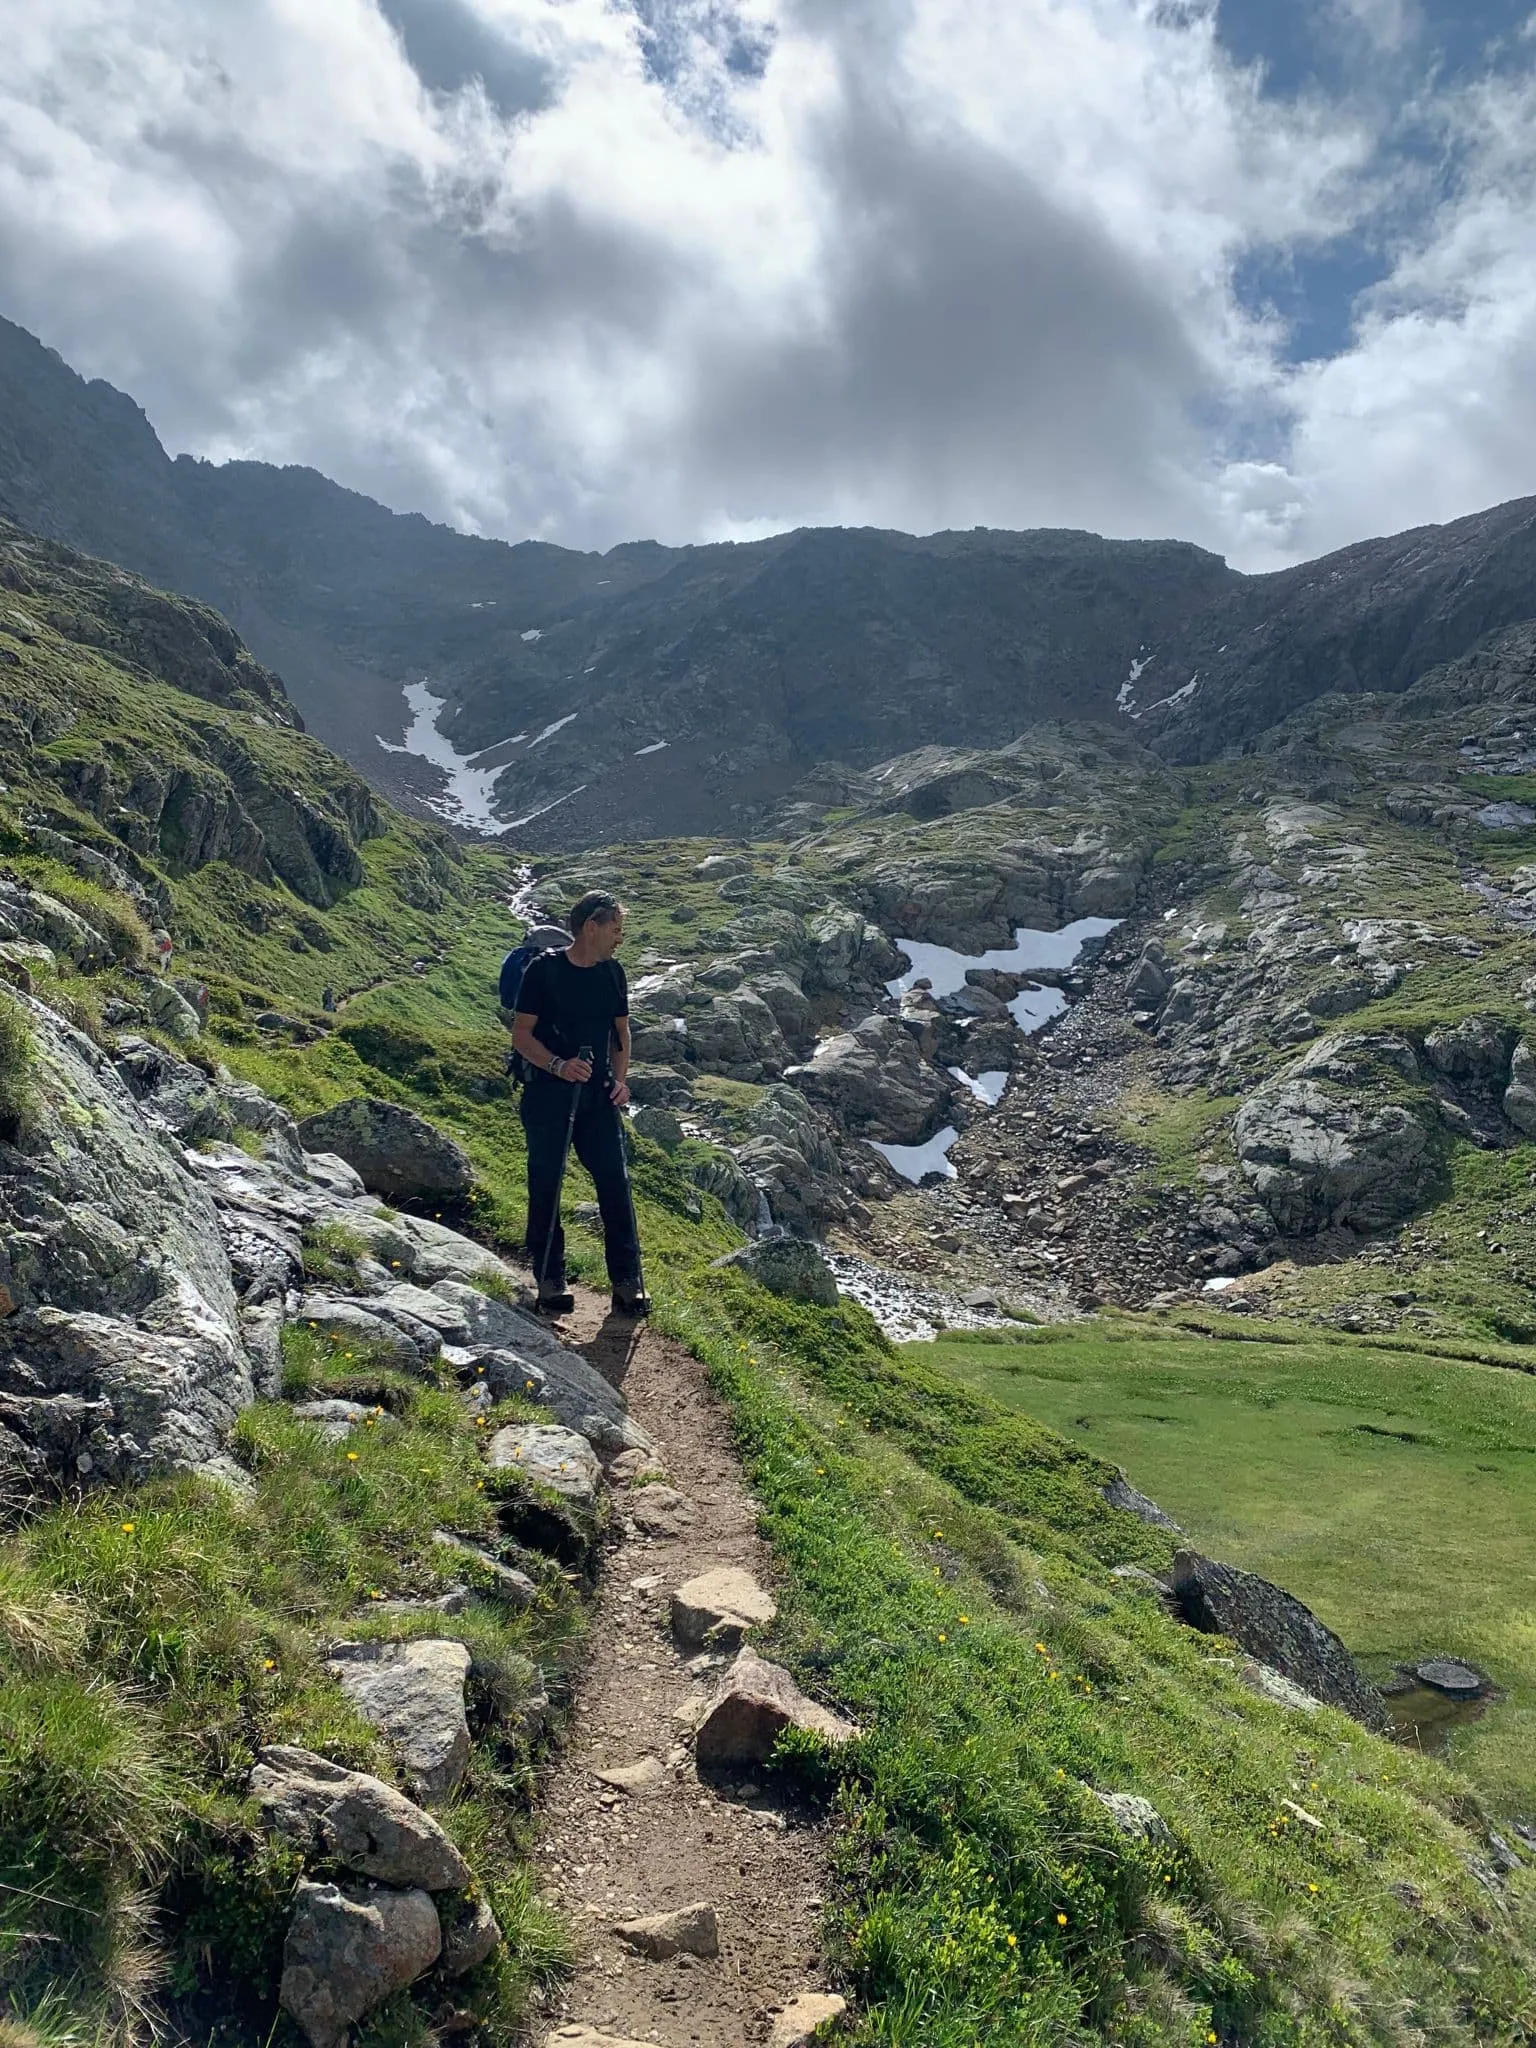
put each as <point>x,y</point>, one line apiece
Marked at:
<point>413,1693</point>
<point>796,2026</point>
<point>790,1006</point>
<point>1449,1675</point>
<point>790,1153</point>
<point>354,1820</point>
<point>1274,1627</point>
<point>34,914</point>
<point>334,1419</point>
<point>660,1126</point>
<point>787,1266</point>
<point>738,1036</point>
<point>718,1607</point>
<point>398,1154</point>
<point>1275,1687</point>
<point>876,1083</point>
<point>547,1456</point>
<point>1150,979</point>
<point>1475,1052</point>
<point>471,1934</point>
<point>1520,1095</point>
<point>170,1010</point>
<point>113,1263</point>
<point>179,1095</point>
<point>736,1192</point>
<point>1121,1494</point>
<point>689,1931</point>
<point>355,1325</point>
<point>1330,1142</point>
<point>516,1347</point>
<point>1134,1816</point>
<point>755,1702</point>
<point>350,1949</point>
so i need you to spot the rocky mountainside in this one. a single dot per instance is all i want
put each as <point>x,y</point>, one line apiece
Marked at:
<point>652,690</point>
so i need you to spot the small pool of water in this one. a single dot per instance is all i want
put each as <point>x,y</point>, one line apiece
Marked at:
<point>1425,1719</point>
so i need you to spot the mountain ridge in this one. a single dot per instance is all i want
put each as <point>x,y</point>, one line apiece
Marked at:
<point>667,689</point>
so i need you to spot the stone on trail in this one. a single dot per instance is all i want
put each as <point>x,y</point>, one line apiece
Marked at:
<point>795,2026</point>
<point>413,1693</point>
<point>755,1702</point>
<point>629,1468</point>
<point>690,1931</point>
<point>355,1820</point>
<point>718,1607</point>
<point>397,1153</point>
<point>659,1510</point>
<point>641,1780</point>
<point>547,1456</point>
<point>788,1266</point>
<point>1274,1626</point>
<point>588,2037</point>
<point>350,1949</point>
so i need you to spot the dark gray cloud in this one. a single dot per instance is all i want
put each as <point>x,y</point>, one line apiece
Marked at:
<point>450,47</point>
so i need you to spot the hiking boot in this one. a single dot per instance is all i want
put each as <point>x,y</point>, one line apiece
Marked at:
<point>555,1301</point>
<point>631,1299</point>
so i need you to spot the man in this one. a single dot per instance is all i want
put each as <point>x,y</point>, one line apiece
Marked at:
<point>569,1000</point>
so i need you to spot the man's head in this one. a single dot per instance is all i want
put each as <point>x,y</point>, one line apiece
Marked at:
<point>597,924</point>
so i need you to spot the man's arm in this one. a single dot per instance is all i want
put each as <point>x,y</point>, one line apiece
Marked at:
<point>620,1089</point>
<point>540,1056</point>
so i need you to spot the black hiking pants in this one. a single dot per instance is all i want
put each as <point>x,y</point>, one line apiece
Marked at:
<point>598,1142</point>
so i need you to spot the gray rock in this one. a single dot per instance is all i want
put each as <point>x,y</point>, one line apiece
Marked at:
<point>738,1036</point>
<point>1319,1146</point>
<point>1450,1676</point>
<point>355,1820</point>
<point>334,1419</point>
<point>112,1258</point>
<point>504,1581</point>
<point>34,914</point>
<point>397,1153</point>
<point>717,1608</point>
<point>471,1934</point>
<point>1134,1816</point>
<point>179,1095</point>
<point>737,1193</point>
<point>170,1010</point>
<point>792,1155</point>
<point>755,1702</point>
<point>350,1949</point>
<point>1274,1626</point>
<point>1121,1494</point>
<point>689,1931</point>
<point>876,1083</point>
<point>1277,1688</point>
<point>798,2024</point>
<point>1520,1095</point>
<point>588,2037</point>
<point>1475,1052</point>
<point>353,1324</point>
<point>1149,980</point>
<point>574,1391</point>
<point>413,1693</point>
<point>787,1266</point>
<point>660,1511</point>
<point>660,1126</point>
<point>546,1456</point>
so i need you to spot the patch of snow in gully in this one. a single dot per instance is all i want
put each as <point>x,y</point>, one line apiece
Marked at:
<point>654,748</point>
<point>533,633</point>
<point>1031,1008</point>
<point>987,1088</point>
<point>467,799</point>
<point>549,731</point>
<point>913,1161</point>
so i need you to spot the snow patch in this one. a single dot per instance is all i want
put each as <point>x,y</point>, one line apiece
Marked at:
<point>1126,699</point>
<point>913,1161</point>
<point>987,1088</point>
<point>533,633</point>
<point>548,731</point>
<point>654,748</point>
<point>467,799</point>
<point>528,816</point>
<point>1032,1007</point>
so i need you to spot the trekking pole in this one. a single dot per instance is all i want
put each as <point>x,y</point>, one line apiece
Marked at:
<point>565,1154</point>
<point>634,1220</point>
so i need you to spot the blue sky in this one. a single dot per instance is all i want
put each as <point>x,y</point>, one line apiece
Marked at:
<point>1256,273</point>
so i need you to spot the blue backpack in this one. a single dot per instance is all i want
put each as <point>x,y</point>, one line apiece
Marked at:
<point>513,968</point>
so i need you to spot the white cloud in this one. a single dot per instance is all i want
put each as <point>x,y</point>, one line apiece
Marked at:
<point>719,269</point>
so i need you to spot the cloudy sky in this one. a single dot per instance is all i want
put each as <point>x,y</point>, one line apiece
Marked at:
<point>1260,274</point>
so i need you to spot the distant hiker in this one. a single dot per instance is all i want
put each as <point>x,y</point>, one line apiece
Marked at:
<point>328,1000</point>
<point>569,999</point>
<point>161,950</point>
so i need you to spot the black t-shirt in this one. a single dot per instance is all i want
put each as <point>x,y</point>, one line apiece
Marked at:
<point>574,1006</point>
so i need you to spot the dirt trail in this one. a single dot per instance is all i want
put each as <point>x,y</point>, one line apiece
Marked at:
<point>610,1856</point>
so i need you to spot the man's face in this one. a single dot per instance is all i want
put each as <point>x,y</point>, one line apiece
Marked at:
<point>606,938</point>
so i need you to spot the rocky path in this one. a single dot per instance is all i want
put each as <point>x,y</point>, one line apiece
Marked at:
<point>628,1829</point>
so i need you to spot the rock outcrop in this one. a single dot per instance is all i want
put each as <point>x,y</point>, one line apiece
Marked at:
<point>1275,1627</point>
<point>789,1266</point>
<point>413,1693</point>
<point>396,1153</point>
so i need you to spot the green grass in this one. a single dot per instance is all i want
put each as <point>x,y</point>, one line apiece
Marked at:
<point>968,1621</point>
<point>1392,1492</point>
<point>154,1641</point>
<point>15,1063</point>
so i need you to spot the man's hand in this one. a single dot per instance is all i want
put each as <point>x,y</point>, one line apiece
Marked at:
<point>575,1070</point>
<point>619,1094</point>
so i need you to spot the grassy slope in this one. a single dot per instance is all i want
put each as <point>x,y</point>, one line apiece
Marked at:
<point>947,1566</point>
<point>1391,1491</point>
